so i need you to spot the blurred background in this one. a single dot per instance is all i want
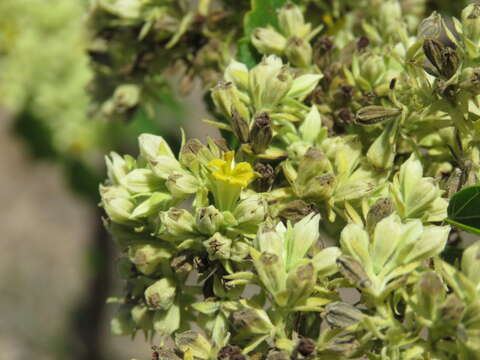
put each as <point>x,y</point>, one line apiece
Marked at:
<point>57,264</point>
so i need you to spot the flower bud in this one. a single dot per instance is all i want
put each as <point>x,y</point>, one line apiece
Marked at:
<point>161,294</point>
<point>195,343</point>
<point>326,261</point>
<point>261,133</point>
<point>208,220</point>
<point>152,147</point>
<point>142,317</point>
<point>117,203</point>
<point>117,168</point>
<point>148,257</point>
<point>239,126</point>
<point>372,115</point>
<point>125,98</point>
<point>430,294</point>
<point>270,269</point>
<point>320,187</point>
<point>471,22</point>
<point>295,211</point>
<point>451,312</point>
<point>268,41</point>
<point>436,28</point>
<point>313,163</point>
<point>237,73</point>
<point>303,86</point>
<point>251,210</point>
<point>353,271</point>
<point>166,322</point>
<point>190,151</point>
<point>382,208</point>
<point>252,321</point>
<point>291,21</point>
<point>372,69</point>
<point>265,178</point>
<point>239,250</point>
<point>444,59</point>
<point>181,264</point>
<point>471,263</point>
<point>142,181</point>
<point>218,247</point>
<point>175,224</point>
<point>181,185</point>
<point>299,52</point>
<point>342,315</point>
<point>300,283</point>
<point>122,323</point>
<point>225,97</point>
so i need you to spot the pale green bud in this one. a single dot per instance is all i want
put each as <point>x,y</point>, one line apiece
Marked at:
<point>225,97</point>
<point>252,321</point>
<point>239,250</point>
<point>313,163</point>
<point>270,239</point>
<point>127,9</point>
<point>148,257</point>
<point>117,203</point>
<point>299,52</point>
<point>195,343</point>
<point>218,247</point>
<point>142,317</point>
<point>471,22</point>
<point>372,69</point>
<point>303,85</point>
<point>382,208</point>
<point>117,168</point>
<point>382,152</point>
<point>300,283</point>
<point>164,166</point>
<point>311,126</point>
<point>176,224</point>
<point>237,73</point>
<point>166,322</point>
<point>155,203</point>
<point>342,315</point>
<point>125,98</point>
<point>430,294</point>
<point>271,270</point>
<point>142,181</point>
<point>471,263</point>
<point>161,294</point>
<point>251,211</point>
<point>326,261</point>
<point>319,188</point>
<point>291,21</point>
<point>268,41</point>
<point>152,147</point>
<point>208,220</point>
<point>181,185</point>
<point>299,241</point>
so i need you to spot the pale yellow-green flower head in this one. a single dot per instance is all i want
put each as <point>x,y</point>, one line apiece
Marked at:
<point>227,171</point>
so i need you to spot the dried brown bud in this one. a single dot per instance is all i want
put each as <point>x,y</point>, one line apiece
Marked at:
<point>306,346</point>
<point>342,315</point>
<point>380,210</point>
<point>443,58</point>
<point>371,115</point>
<point>296,211</point>
<point>228,351</point>
<point>239,126</point>
<point>265,181</point>
<point>362,43</point>
<point>261,133</point>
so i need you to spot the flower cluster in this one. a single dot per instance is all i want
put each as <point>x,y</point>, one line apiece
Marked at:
<point>341,149</point>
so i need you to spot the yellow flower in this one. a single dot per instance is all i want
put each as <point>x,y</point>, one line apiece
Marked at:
<point>227,171</point>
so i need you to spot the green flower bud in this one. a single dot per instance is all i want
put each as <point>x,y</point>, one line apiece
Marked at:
<point>239,251</point>
<point>326,261</point>
<point>142,317</point>
<point>270,269</point>
<point>190,151</point>
<point>372,115</point>
<point>252,321</point>
<point>320,187</point>
<point>142,181</point>
<point>117,168</point>
<point>226,99</point>
<point>125,98</point>
<point>471,22</point>
<point>291,21</point>
<point>430,294</point>
<point>218,247</point>
<point>300,283</point>
<point>313,164</point>
<point>181,185</point>
<point>164,166</point>
<point>176,224</point>
<point>161,294</point>
<point>251,211</point>
<point>268,41</point>
<point>303,86</point>
<point>195,343</point>
<point>155,203</point>
<point>261,133</point>
<point>471,263</point>
<point>342,315</point>
<point>451,311</point>
<point>372,69</point>
<point>208,220</point>
<point>269,82</point>
<point>299,52</point>
<point>148,257</point>
<point>237,73</point>
<point>117,203</point>
<point>152,147</point>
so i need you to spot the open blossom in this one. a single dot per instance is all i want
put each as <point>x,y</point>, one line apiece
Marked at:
<point>227,171</point>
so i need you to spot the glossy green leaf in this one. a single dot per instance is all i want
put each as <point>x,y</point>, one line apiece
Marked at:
<point>464,209</point>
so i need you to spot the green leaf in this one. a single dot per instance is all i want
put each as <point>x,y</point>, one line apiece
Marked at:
<point>262,13</point>
<point>464,209</point>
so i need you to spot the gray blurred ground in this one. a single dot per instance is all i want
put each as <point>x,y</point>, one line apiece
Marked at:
<point>44,232</point>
